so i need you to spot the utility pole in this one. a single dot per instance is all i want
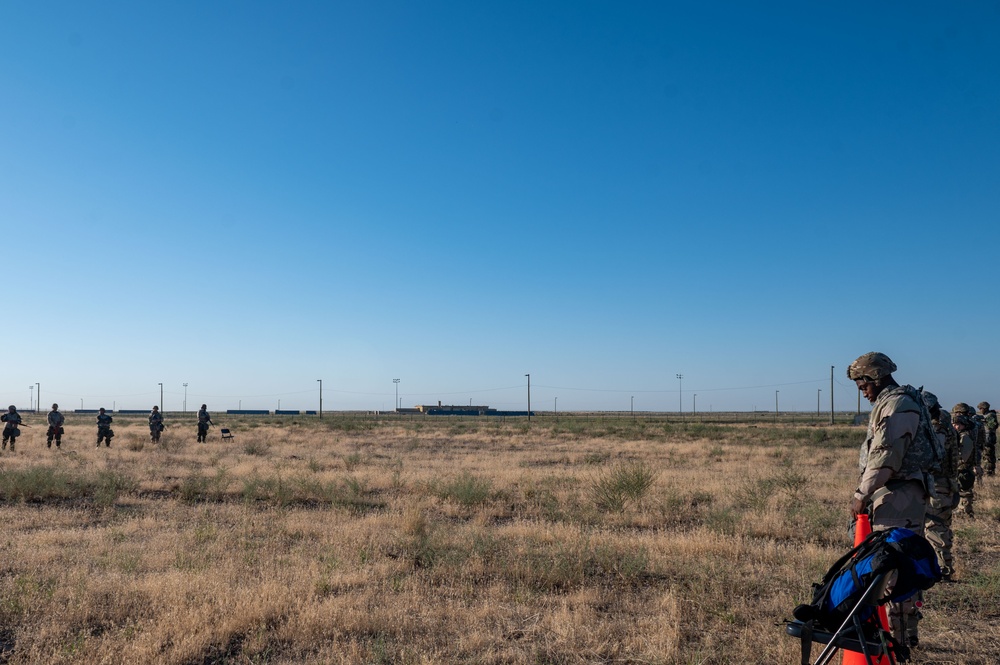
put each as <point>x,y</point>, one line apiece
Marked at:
<point>776,406</point>
<point>680,392</point>
<point>632,407</point>
<point>396,382</point>
<point>818,391</point>
<point>831,394</point>
<point>186,399</point>
<point>529,398</point>
<point>555,406</point>
<point>31,398</point>
<point>161,398</point>
<point>320,397</point>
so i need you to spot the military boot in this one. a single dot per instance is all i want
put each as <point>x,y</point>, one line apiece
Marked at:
<point>912,617</point>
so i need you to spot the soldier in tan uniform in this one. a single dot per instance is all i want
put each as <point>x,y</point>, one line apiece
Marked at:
<point>897,462</point>
<point>941,506</point>
<point>968,464</point>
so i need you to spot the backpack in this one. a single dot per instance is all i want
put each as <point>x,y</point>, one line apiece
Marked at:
<point>909,554</point>
<point>926,436</point>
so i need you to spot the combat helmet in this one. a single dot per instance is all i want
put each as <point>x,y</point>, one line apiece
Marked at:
<point>873,365</point>
<point>985,406</point>
<point>960,414</point>
<point>930,399</point>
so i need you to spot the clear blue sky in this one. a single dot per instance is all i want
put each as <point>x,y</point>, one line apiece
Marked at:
<point>251,196</point>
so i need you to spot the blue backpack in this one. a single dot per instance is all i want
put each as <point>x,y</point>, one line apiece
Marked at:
<point>909,554</point>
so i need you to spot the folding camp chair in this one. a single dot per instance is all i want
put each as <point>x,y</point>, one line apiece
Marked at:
<point>852,635</point>
<point>226,434</point>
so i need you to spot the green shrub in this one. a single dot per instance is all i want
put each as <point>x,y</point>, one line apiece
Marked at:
<point>467,489</point>
<point>49,483</point>
<point>626,482</point>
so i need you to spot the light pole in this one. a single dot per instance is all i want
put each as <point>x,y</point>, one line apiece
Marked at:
<point>396,381</point>
<point>186,399</point>
<point>31,398</point>
<point>831,394</point>
<point>694,409</point>
<point>555,406</point>
<point>38,392</point>
<point>161,398</point>
<point>631,407</point>
<point>818,391</point>
<point>320,397</point>
<point>529,397</point>
<point>776,406</point>
<point>680,392</point>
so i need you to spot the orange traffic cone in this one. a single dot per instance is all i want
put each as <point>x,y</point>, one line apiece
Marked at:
<point>863,527</point>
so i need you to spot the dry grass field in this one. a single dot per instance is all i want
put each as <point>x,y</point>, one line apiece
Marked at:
<point>444,540</point>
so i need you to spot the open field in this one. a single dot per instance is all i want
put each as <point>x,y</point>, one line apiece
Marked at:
<point>439,540</point>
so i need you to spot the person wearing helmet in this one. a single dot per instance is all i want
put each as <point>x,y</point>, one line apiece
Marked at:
<point>941,505</point>
<point>204,420</point>
<point>156,425</point>
<point>968,466</point>
<point>979,436</point>
<point>897,461</point>
<point>55,431</point>
<point>989,419</point>
<point>10,430</point>
<point>104,431</point>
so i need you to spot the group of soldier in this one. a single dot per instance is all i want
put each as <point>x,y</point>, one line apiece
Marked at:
<point>918,465</point>
<point>56,421</point>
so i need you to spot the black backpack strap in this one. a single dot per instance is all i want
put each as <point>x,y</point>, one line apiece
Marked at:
<point>807,642</point>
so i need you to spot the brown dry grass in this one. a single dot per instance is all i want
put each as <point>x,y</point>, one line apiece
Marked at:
<point>443,540</point>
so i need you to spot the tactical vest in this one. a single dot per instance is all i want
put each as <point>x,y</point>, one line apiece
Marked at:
<point>923,459</point>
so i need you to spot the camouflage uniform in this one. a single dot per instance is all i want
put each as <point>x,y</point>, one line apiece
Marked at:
<point>10,430</point>
<point>55,431</point>
<point>897,461</point>
<point>155,424</point>
<point>989,417</point>
<point>104,431</point>
<point>941,506</point>
<point>968,458</point>
<point>204,420</point>
<point>978,435</point>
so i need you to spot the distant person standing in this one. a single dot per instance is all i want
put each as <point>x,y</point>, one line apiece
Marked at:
<point>104,431</point>
<point>989,417</point>
<point>204,420</point>
<point>10,430</point>
<point>55,430</point>
<point>968,466</point>
<point>155,424</point>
